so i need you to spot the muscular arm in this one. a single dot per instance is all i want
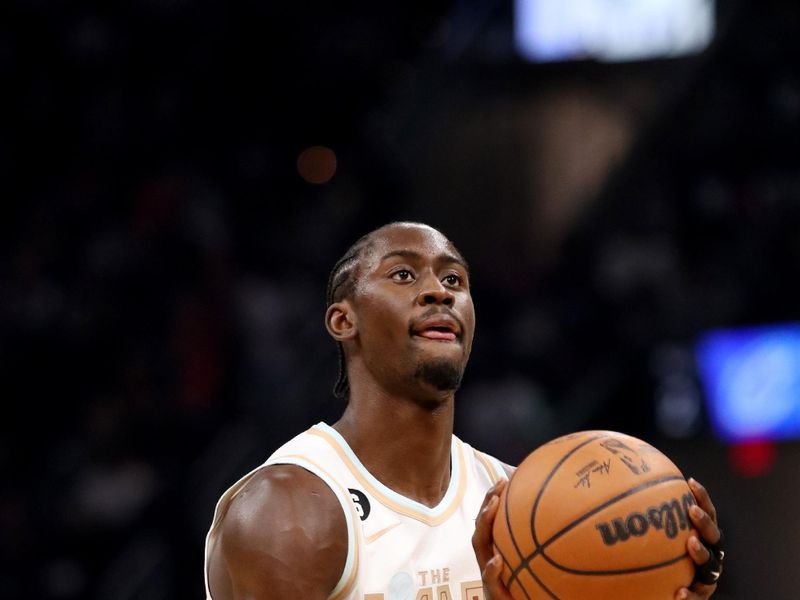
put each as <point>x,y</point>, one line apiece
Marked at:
<point>284,535</point>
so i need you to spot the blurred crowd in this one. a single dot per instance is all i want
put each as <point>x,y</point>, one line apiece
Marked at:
<point>163,264</point>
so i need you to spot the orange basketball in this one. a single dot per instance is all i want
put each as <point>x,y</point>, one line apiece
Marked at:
<point>595,515</point>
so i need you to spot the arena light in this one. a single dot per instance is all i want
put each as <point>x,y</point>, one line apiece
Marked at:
<point>610,30</point>
<point>751,377</point>
<point>317,164</point>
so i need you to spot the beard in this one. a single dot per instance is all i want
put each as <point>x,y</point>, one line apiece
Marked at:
<point>442,374</point>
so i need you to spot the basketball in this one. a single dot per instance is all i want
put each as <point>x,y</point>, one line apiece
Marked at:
<point>595,515</point>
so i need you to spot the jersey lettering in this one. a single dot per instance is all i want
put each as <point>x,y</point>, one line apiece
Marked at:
<point>470,590</point>
<point>437,576</point>
<point>443,593</point>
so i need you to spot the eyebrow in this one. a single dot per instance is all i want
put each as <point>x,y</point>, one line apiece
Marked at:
<point>448,258</point>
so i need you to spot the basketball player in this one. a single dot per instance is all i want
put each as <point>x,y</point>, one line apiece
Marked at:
<point>382,505</point>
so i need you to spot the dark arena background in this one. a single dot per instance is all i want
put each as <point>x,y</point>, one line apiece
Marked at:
<point>179,176</point>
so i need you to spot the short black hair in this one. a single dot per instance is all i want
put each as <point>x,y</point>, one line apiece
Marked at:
<point>341,284</point>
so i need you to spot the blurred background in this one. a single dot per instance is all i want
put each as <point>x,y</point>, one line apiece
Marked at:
<point>180,175</point>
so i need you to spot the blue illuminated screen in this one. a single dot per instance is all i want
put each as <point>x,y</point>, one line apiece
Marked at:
<point>612,30</point>
<point>751,379</point>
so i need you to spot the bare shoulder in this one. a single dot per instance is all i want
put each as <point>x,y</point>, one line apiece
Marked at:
<point>283,535</point>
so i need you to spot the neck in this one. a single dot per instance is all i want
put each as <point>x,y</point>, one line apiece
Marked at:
<point>403,441</point>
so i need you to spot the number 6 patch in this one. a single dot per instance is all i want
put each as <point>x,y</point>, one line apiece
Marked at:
<point>361,502</point>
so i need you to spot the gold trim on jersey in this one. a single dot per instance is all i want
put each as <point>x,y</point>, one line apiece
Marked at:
<point>408,511</point>
<point>487,464</point>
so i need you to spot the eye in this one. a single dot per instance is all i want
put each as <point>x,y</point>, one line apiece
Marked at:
<point>402,275</point>
<point>452,279</point>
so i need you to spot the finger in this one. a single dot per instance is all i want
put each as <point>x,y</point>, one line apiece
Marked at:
<point>495,490</point>
<point>703,498</point>
<point>490,493</point>
<point>493,585</point>
<point>702,591</point>
<point>708,568</point>
<point>699,553</point>
<point>482,538</point>
<point>698,591</point>
<point>704,524</point>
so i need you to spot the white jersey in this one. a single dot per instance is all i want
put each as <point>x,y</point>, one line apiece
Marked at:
<point>398,549</point>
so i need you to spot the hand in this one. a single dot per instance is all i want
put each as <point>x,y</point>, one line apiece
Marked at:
<point>489,561</point>
<point>704,518</point>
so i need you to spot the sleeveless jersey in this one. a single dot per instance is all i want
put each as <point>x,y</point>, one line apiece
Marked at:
<point>398,549</point>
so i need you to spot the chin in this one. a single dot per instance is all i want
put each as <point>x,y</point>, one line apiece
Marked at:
<point>445,375</point>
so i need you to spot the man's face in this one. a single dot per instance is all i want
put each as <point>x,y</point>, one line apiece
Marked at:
<point>414,309</point>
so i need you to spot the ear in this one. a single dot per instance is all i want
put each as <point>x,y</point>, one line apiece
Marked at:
<point>340,321</point>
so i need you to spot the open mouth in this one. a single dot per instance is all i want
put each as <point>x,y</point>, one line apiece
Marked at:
<point>437,328</point>
<point>437,333</point>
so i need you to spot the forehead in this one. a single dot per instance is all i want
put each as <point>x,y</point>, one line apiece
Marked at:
<point>421,239</point>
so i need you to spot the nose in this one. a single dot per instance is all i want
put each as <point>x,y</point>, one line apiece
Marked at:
<point>434,292</point>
